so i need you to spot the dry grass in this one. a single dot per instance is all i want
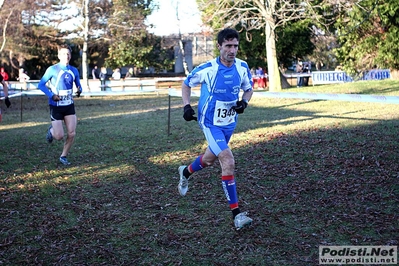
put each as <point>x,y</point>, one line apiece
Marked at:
<point>310,173</point>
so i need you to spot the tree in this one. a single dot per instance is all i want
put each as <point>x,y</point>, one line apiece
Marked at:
<point>86,20</point>
<point>267,15</point>
<point>368,35</point>
<point>324,44</point>
<point>29,35</point>
<point>293,41</point>
<point>141,51</point>
<point>130,43</point>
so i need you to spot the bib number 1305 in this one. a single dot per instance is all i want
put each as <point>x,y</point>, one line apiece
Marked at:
<point>224,113</point>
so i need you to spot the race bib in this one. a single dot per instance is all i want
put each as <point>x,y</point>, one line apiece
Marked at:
<point>65,97</point>
<point>224,113</point>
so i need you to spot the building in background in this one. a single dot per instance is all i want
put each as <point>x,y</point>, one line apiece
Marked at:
<point>198,48</point>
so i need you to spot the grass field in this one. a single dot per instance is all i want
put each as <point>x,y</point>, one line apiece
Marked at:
<point>309,172</point>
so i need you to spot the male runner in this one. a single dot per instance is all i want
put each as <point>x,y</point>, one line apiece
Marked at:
<point>60,78</point>
<point>221,80</point>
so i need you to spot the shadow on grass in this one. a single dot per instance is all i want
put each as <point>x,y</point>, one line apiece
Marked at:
<point>324,183</point>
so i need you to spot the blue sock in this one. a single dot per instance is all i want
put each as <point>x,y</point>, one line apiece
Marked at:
<point>230,190</point>
<point>196,165</point>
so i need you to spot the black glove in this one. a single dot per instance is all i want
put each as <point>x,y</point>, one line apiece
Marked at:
<point>241,105</point>
<point>189,113</point>
<point>7,101</point>
<point>78,93</point>
<point>55,98</point>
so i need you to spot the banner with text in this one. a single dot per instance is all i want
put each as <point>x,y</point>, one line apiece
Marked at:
<point>328,77</point>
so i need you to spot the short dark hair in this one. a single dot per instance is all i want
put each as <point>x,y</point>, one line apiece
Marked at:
<point>227,34</point>
<point>64,46</point>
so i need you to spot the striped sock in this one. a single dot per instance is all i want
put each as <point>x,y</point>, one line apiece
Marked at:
<point>194,166</point>
<point>230,190</point>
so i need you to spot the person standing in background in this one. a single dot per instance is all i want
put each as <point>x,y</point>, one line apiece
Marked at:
<point>23,77</point>
<point>117,74</point>
<point>4,74</point>
<point>306,70</point>
<point>254,77</point>
<point>261,78</point>
<point>299,70</point>
<point>103,77</point>
<point>130,73</point>
<point>94,72</point>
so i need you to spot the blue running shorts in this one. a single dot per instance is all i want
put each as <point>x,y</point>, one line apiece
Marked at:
<point>218,138</point>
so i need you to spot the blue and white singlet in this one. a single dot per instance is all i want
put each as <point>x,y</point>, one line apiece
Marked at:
<point>61,79</point>
<point>220,87</point>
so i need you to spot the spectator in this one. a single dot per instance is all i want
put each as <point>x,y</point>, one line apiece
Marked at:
<point>254,77</point>
<point>94,72</point>
<point>260,74</point>
<point>298,70</point>
<point>319,65</point>
<point>117,74</point>
<point>23,77</point>
<point>306,70</point>
<point>4,74</point>
<point>130,73</point>
<point>265,79</point>
<point>103,77</point>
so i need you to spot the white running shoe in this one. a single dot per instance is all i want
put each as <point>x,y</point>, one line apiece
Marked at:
<point>242,220</point>
<point>183,183</point>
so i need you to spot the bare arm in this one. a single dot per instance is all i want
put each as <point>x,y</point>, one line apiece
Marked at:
<point>247,95</point>
<point>185,93</point>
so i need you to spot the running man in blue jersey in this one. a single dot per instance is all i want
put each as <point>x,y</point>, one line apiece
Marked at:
<point>57,84</point>
<point>221,80</point>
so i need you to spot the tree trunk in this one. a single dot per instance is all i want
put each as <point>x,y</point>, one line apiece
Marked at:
<point>395,74</point>
<point>284,82</point>
<point>85,77</point>
<point>183,52</point>
<point>272,65</point>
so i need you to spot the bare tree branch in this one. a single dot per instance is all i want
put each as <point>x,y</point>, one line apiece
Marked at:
<point>260,14</point>
<point>5,28</point>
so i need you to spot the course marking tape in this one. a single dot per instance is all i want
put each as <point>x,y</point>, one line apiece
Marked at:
<point>287,95</point>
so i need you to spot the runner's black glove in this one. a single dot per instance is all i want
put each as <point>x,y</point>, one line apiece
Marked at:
<point>55,98</point>
<point>241,105</point>
<point>189,113</point>
<point>7,101</point>
<point>78,92</point>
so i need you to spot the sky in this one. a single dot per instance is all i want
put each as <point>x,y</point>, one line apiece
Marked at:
<point>165,19</point>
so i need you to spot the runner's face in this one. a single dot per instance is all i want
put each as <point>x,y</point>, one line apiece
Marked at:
<point>64,55</point>
<point>228,51</point>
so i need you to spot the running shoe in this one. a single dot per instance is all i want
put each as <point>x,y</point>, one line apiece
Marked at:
<point>49,136</point>
<point>242,220</point>
<point>183,183</point>
<point>64,160</point>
